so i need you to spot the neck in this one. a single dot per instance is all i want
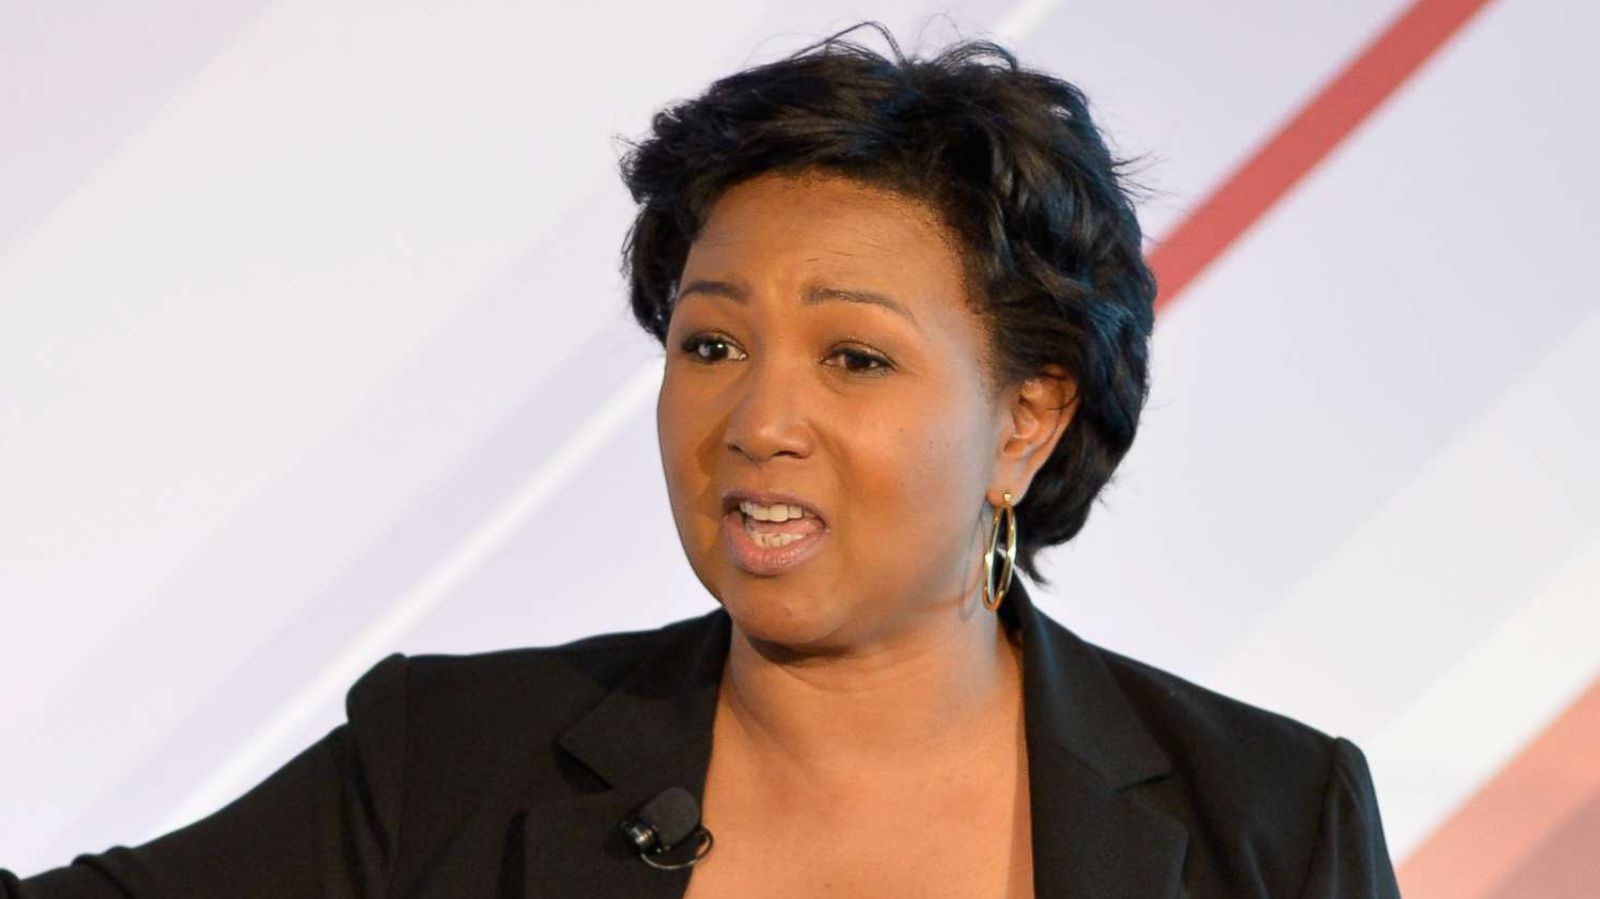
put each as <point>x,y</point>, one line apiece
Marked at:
<point>928,695</point>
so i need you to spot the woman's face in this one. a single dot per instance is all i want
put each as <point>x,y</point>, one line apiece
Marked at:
<point>821,348</point>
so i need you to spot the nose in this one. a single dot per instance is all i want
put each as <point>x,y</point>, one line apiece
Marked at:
<point>768,417</point>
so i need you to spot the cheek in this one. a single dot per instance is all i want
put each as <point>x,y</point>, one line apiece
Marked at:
<point>921,471</point>
<point>677,435</point>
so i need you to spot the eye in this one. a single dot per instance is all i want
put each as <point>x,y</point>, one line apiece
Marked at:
<point>709,347</point>
<point>863,362</point>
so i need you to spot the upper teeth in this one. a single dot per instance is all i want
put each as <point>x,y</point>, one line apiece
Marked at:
<point>776,512</point>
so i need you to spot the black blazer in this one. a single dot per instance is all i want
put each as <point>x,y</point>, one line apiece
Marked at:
<point>506,775</point>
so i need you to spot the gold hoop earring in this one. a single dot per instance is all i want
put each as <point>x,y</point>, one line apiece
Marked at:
<point>991,597</point>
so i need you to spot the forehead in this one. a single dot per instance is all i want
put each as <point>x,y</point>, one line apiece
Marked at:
<point>827,224</point>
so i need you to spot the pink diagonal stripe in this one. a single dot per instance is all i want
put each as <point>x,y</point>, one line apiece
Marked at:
<point>1488,838</point>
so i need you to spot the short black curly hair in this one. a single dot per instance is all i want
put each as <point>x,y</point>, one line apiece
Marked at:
<point>1012,160</point>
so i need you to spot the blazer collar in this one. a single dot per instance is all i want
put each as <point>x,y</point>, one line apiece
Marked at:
<point>1087,751</point>
<point>1086,745</point>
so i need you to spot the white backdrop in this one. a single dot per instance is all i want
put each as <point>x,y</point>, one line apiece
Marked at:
<point>313,348</point>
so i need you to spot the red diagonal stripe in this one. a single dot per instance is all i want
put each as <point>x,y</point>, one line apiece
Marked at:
<point>1342,104</point>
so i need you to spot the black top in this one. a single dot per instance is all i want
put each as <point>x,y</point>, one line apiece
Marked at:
<point>506,775</point>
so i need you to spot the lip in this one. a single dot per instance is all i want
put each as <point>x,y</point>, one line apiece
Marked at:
<point>763,561</point>
<point>732,498</point>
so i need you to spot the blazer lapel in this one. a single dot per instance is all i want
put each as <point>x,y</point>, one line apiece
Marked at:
<point>1086,750</point>
<point>651,733</point>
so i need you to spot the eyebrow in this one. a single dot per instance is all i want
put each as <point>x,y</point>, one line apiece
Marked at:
<point>813,295</point>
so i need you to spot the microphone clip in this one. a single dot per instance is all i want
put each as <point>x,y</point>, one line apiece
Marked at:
<point>667,831</point>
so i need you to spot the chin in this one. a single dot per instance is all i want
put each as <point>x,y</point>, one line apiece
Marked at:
<point>777,613</point>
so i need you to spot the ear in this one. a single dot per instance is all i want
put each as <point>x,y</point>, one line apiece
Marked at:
<point>1034,416</point>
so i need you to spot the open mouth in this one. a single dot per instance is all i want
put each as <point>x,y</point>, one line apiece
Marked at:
<point>778,524</point>
<point>770,538</point>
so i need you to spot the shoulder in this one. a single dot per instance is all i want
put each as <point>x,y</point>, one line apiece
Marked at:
<point>488,716</point>
<point>1206,727</point>
<point>450,749</point>
<point>524,685</point>
<point>1273,799</point>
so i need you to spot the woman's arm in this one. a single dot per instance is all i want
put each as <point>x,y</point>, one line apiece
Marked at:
<point>1351,859</point>
<point>323,825</point>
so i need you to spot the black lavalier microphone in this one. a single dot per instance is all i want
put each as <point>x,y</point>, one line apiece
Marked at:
<point>667,831</point>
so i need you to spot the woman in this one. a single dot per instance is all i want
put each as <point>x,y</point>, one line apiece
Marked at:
<point>905,316</point>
